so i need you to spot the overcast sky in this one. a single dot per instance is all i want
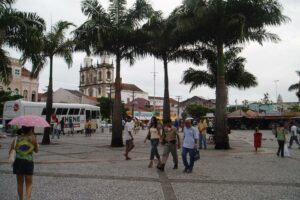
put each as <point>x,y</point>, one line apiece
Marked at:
<point>268,63</point>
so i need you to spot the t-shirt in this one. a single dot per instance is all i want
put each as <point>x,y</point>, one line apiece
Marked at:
<point>280,134</point>
<point>128,127</point>
<point>294,130</point>
<point>170,133</point>
<point>24,148</point>
<point>154,133</point>
<point>202,127</point>
<point>190,135</point>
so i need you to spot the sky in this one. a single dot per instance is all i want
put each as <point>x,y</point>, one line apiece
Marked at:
<point>273,64</point>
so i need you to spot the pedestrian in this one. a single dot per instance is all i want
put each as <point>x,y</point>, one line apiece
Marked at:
<point>71,126</point>
<point>293,137</point>
<point>88,128</point>
<point>189,146</point>
<point>202,133</point>
<point>171,142</point>
<point>62,125</point>
<point>128,129</point>
<point>257,138</point>
<point>136,125</point>
<point>281,139</point>
<point>155,136</point>
<point>56,129</point>
<point>24,144</point>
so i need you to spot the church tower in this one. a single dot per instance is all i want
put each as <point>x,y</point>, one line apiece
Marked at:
<point>97,79</point>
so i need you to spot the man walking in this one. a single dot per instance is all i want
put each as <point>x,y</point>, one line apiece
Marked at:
<point>128,128</point>
<point>190,137</point>
<point>202,133</point>
<point>293,135</point>
<point>171,142</point>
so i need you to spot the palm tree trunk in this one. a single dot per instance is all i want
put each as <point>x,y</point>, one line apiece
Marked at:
<point>116,139</point>
<point>221,136</point>
<point>166,106</point>
<point>47,131</point>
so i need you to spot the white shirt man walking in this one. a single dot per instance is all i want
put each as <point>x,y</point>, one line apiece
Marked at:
<point>128,137</point>
<point>294,135</point>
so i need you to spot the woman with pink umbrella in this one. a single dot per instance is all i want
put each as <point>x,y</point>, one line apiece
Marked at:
<point>24,145</point>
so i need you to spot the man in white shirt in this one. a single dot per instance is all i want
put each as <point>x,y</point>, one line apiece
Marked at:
<point>294,135</point>
<point>128,128</point>
<point>190,137</point>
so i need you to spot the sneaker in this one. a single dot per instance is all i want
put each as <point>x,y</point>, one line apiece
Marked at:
<point>185,170</point>
<point>289,147</point>
<point>189,171</point>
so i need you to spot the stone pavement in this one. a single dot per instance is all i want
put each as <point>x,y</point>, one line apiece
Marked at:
<point>87,168</point>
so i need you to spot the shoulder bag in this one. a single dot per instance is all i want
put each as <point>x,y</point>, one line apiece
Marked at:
<point>12,153</point>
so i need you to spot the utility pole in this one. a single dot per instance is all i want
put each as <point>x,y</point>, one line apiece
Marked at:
<point>178,104</point>
<point>154,77</point>
<point>276,81</point>
<point>132,111</point>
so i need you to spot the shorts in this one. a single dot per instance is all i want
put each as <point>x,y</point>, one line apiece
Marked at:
<point>129,143</point>
<point>23,167</point>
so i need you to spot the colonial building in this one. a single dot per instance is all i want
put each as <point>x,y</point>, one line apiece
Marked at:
<point>70,96</point>
<point>21,83</point>
<point>96,79</point>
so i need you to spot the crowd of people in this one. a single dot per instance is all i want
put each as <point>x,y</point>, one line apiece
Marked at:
<point>167,134</point>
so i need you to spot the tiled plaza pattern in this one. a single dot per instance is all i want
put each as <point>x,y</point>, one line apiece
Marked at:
<point>86,168</point>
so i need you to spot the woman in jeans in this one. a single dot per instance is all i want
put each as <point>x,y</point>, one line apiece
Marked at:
<point>155,136</point>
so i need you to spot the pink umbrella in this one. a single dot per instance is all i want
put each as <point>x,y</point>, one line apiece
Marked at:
<point>29,121</point>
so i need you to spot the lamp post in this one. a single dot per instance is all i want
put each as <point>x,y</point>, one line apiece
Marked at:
<point>132,109</point>
<point>178,104</point>
<point>276,81</point>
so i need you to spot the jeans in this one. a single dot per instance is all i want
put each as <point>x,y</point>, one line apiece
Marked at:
<point>280,148</point>
<point>55,132</point>
<point>154,150</point>
<point>202,139</point>
<point>184,157</point>
<point>292,140</point>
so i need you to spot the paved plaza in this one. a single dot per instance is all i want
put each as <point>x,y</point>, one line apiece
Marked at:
<point>87,168</point>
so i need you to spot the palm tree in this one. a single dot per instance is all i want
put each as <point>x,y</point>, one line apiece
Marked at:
<point>114,32</point>
<point>54,43</point>
<point>17,30</point>
<point>164,44</point>
<point>296,87</point>
<point>235,74</point>
<point>220,24</point>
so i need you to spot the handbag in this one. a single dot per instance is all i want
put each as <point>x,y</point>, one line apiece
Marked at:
<point>12,153</point>
<point>197,155</point>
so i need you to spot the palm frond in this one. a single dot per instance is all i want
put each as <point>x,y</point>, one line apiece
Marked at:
<point>295,86</point>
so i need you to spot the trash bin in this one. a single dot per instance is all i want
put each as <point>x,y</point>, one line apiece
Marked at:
<point>257,140</point>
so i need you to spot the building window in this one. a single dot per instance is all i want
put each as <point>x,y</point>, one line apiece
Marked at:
<point>17,72</point>
<point>1,88</point>
<point>33,96</point>
<point>16,91</point>
<point>91,92</point>
<point>108,74</point>
<point>95,79</point>
<point>99,91</point>
<point>82,78</point>
<point>25,94</point>
<point>100,76</point>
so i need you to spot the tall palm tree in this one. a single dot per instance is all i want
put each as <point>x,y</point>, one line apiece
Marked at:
<point>54,43</point>
<point>114,32</point>
<point>164,43</point>
<point>296,87</point>
<point>223,23</point>
<point>17,30</point>
<point>235,73</point>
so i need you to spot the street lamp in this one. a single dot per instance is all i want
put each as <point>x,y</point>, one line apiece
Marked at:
<point>276,81</point>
